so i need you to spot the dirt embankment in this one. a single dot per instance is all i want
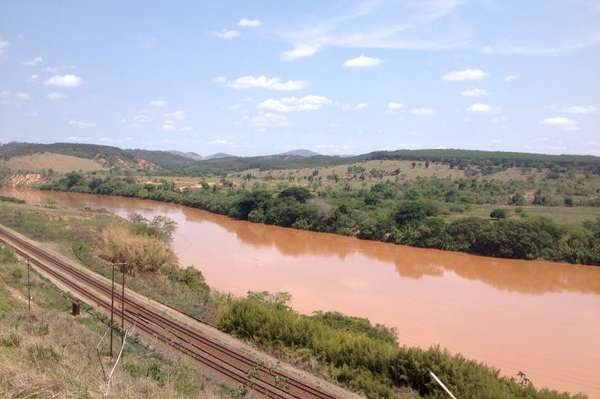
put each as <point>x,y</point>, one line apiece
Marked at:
<point>24,180</point>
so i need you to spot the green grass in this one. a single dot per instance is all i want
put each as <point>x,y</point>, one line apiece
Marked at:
<point>559,214</point>
<point>48,353</point>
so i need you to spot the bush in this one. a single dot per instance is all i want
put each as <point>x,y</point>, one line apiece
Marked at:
<point>499,214</point>
<point>139,252</point>
<point>359,357</point>
<point>7,254</point>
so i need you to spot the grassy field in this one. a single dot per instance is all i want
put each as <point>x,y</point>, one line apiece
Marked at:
<point>58,162</point>
<point>560,214</point>
<point>47,353</point>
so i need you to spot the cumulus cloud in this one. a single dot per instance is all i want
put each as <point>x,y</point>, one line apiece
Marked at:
<point>300,51</point>
<point>36,61</point>
<point>560,122</point>
<point>580,109</point>
<point>422,111</point>
<point>81,124</point>
<point>226,34</point>
<point>22,96</point>
<point>176,115</point>
<point>219,142</point>
<point>478,107</point>
<point>362,62</point>
<point>167,127</point>
<point>268,120</point>
<point>157,103</point>
<point>294,104</point>
<point>465,74</point>
<point>54,96</point>
<point>395,106</point>
<point>475,92</point>
<point>264,82</point>
<point>249,23</point>
<point>33,78</point>
<point>67,81</point>
<point>510,78</point>
<point>19,97</point>
<point>3,45</point>
<point>360,106</point>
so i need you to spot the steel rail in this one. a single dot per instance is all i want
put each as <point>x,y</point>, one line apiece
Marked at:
<point>266,381</point>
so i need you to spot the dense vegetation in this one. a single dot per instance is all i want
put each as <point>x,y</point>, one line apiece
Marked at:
<point>399,212</point>
<point>365,357</point>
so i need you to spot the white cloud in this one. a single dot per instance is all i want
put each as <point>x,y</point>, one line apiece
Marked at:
<point>395,106</point>
<point>268,119</point>
<point>36,61</point>
<point>300,51</point>
<point>357,28</point>
<point>68,81</point>
<point>18,97</point>
<point>465,74</point>
<point>176,115</point>
<point>541,50</point>
<point>22,96</point>
<point>362,62</point>
<point>56,96</point>
<point>295,104</point>
<point>263,82</point>
<point>475,92</point>
<point>138,121</point>
<point>422,111</point>
<point>33,78</point>
<point>226,34</point>
<point>3,45</point>
<point>81,124</point>
<point>479,108</point>
<point>167,127</point>
<point>581,109</point>
<point>157,103</point>
<point>249,23</point>
<point>186,129</point>
<point>510,78</point>
<point>560,122</point>
<point>219,142</point>
<point>360,106</point>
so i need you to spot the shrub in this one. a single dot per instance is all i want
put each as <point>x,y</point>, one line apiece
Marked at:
<point>498,213</point>
<point>139,252</point>
<point>357,356</point>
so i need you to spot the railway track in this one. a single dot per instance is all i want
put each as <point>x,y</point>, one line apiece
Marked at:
<point>233,365</point>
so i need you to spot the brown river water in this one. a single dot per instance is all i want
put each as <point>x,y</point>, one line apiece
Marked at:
<point>539,317</point>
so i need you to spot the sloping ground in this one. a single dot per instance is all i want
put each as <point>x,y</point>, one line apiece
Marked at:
<point>57,162</point>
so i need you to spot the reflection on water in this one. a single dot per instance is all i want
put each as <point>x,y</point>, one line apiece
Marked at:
<point>539,317</point>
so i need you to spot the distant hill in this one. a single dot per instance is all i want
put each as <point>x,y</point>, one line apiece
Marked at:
<point>302,153</point>
<point>105,155</point>
<point>220,155</point>
<point>190,155</point>
<point>163,159</point>
<point>188,162</point>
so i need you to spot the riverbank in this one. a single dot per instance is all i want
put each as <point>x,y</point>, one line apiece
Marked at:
<point>511,314</point>
<point>383,213</point>
<point>59,223</point>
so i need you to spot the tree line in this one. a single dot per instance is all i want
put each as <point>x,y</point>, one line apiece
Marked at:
<point>411,215</point>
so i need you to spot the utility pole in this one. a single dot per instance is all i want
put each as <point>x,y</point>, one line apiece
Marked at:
<point>123,271</point>
<point>28,287</point>
<point>112,305</point>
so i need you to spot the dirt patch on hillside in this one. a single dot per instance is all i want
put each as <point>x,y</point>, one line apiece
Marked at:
<point>57,162</point>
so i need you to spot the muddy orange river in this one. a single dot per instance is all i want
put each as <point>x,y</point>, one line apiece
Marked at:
<point>538,317</point>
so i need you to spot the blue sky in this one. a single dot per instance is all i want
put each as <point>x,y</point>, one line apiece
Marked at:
<point>336,77</point>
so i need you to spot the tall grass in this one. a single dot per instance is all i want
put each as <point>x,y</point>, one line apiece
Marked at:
<point>357,356</point>
<point>140,252</point>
